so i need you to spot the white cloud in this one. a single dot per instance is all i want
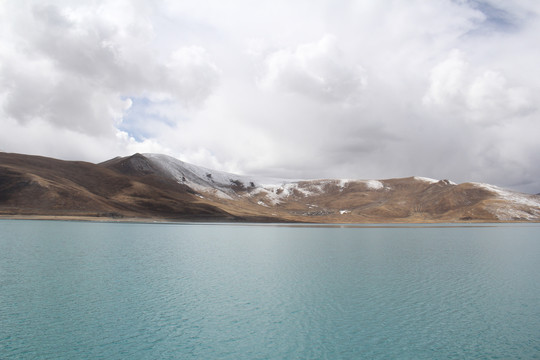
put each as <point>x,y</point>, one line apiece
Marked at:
<point>318,70</point>
<point>447,81</point>
<point>71,67</point>
<point>191,74</point>
<point>257,87</point>
<point>479,95</point>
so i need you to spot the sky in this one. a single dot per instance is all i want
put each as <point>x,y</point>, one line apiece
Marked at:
<point>447,89</point>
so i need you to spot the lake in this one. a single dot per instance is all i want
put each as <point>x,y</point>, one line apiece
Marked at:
<point>81,290</point>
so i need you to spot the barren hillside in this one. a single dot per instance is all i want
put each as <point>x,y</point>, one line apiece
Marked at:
<point>159,187</point>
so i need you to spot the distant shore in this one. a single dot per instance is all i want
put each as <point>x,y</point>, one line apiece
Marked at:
<point>100,219</point>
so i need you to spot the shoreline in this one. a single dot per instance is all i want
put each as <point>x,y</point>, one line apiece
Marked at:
<point>259,222</point>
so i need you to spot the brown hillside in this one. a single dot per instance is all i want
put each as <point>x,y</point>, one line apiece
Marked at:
<point>159,187</point>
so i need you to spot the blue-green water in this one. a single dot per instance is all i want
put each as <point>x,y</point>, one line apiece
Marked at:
<point>73,290</point>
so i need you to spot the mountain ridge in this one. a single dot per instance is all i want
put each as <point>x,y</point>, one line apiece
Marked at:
<point>160,187</point>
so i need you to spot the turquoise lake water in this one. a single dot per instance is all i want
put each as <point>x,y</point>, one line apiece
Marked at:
<point>76,290</point>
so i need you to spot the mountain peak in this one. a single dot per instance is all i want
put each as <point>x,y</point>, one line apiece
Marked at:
<point>136,164</point>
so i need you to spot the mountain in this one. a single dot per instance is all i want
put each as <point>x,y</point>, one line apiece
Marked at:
<point>154,186</point>
<point>33,185</point>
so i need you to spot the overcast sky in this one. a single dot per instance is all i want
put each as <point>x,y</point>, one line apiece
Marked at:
<point>299,89</point>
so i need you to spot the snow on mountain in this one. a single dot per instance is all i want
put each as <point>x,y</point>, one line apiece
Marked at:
<point>201,178</point>
<point>227,185</point>
<point>143,186</point>
<point>512,196</point>
<point>504,204</point>
<point>425,179</point>
<point>374,184</point>
<point>513,205</point>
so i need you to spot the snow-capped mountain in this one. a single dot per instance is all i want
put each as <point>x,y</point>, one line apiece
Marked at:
<point>203,179</point>
<point>162,187</point>
<point>346,200</point>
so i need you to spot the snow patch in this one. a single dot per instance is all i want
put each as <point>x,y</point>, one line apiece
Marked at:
<point>425,179</point>
<point>272,197</point>
<point>342,212</point>
<point>203,179</point>
<point>342,183</point>
<point>220,194</point>
<point>512,207</point>
<point>374,184</point>
<point>284,190</point>
<point>508,213</point>
<point>511,196</point>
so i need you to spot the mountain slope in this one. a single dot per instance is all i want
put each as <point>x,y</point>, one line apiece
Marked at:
<point>161,187</point>
<point>410,199</point>
<point>33,185</point>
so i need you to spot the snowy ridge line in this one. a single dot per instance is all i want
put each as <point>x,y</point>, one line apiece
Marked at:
<point>512,196</point>
<point>425,179</point>
<point>201,177</point>
<point>374,184</point>
<point>514,208</point>
<point>186,172</point>
<point>222,184</point>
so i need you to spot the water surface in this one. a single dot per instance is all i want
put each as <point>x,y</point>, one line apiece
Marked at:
<point>75,290</point>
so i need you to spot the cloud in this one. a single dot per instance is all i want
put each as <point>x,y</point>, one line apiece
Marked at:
<point>479,95</point>
<point>75,69</point>
<point>310,88</point>
<point>191,74</point>
<point>318,70</point>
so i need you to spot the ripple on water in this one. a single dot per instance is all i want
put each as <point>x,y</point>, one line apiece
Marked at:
<point>82,290</point>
